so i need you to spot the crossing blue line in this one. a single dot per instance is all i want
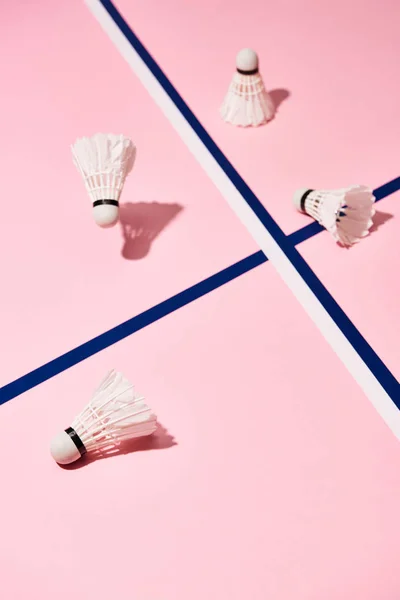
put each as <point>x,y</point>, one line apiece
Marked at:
<point>287,243</point>
<point>118,333</point>
<point>383,375</point>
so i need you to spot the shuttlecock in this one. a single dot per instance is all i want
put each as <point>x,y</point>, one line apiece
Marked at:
<point>115,414</point>
<point>247,102</point>
<point>104,161</point>
<point>346,213</point>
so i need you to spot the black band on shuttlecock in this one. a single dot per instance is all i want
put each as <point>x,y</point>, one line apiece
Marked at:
<point>303,200</point>
<point>252,72</point>
<point>101,202</point>
<point>77,440</point>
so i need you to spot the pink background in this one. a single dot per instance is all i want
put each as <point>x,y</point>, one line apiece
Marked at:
<point>67,279</point>
<point>274,477</point>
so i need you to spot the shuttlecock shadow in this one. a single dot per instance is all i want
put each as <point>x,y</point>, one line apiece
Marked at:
<point>278,96</point>
<point>379,219</point>
<point>141,223</point>
<point>159,440</point>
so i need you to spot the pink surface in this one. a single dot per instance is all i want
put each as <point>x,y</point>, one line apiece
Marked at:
<point>337,60</point>
<point>283,481</point>
<point>64,279</point>
<point>364,279</point>
<point>275,477</point>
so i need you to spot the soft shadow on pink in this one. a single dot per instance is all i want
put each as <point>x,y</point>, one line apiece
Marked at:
<point>278,96</point>
<point>379,219</point>
<point>141,223</point>
<point>160,440</point>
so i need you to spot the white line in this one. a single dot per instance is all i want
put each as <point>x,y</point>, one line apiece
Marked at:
<point>332,333</point>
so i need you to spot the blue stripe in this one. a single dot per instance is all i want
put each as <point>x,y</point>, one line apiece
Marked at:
<point>75,356</point>
<point>365,351</point>
<point>99,343</point>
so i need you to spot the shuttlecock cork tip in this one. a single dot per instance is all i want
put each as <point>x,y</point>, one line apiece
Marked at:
<point>247,61</point>
<point>66,447</point>
<point>105,214</point>
<point>299,198</point>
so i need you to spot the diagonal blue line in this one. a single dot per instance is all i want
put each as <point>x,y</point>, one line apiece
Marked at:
<point>386,379</point>
<point>104,340</point>
<point>73,357</point>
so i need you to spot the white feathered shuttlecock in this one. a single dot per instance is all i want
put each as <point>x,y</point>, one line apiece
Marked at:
<point>104,161</point>
<point>247,102</point>
<point>346,213</point>
<point>115,414</point>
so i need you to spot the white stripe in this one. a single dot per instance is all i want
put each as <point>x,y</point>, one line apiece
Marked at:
<point>332,333</point>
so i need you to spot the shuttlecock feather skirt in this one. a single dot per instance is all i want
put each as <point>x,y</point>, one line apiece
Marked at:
<point>247,103</point>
